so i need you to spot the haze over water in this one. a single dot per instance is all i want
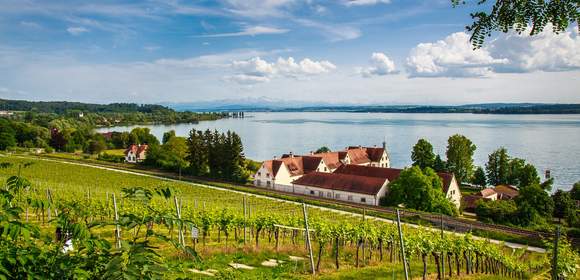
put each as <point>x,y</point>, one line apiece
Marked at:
<point>547,141</point>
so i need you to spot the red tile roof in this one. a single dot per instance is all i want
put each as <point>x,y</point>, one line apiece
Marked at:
<point>487,192</point>
<point>137,149</point>
<point>506,191</point>
<point>358,156</point>
<point>297,165</point>
<point>342,182</point>
<point>331,159</point>
<point>387,173</point>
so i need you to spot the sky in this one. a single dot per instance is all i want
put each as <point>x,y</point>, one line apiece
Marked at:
<point>341,51</point>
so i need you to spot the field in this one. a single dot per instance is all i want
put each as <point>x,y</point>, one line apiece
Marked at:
<point>206,229</point>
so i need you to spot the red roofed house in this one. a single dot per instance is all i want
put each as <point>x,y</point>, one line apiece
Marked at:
<point>278,174</point>
<point>136,153</point>
<point>506,192</point>
<point>450,185</point>
<point>346,187</point>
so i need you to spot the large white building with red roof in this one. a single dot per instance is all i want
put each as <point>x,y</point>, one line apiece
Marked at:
<point>357,174</point>
<point>279,174</point>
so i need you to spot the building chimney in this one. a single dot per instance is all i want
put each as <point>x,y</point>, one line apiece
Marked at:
<point>291,154</point>
<point>374,146</point>
<point>311,153</point>
<point>275,157</point>
<point>385,145</point>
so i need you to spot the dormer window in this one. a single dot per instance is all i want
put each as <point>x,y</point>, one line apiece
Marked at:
<point>259,173</point>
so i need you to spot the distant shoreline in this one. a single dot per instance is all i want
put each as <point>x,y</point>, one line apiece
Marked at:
<point>496,109</point>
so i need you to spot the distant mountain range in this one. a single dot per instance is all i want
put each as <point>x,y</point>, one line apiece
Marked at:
<point>264,104</point>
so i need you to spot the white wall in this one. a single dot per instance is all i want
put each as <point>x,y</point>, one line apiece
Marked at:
<point>342,195</point>
<point>453,193</point>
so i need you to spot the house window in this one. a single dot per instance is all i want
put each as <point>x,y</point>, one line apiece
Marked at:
<point>268,175</point>
<point>337,195</point>
<point>312,192</point>
<point>325,169</point>
<point>363,200</point>
<point>268,183</point>
<point>350,198</point>
<point>258,182</point>
<point>329,194</point>
<point>259,173</point>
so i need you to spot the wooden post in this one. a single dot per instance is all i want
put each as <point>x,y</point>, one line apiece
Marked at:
<point>442,257</point>
<point>402,245</point>
<point>245,220</point>
<point>308,239</point>
<point>555,258</point>
<point>47,199</point>
<point>179,229</point>
<point>117,229</point>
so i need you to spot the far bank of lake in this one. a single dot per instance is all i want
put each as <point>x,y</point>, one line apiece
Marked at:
<point>547,141</point>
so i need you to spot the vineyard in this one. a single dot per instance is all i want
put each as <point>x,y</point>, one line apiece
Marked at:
<point>70,221</point>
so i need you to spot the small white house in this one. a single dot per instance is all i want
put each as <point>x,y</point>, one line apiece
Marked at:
<point>278,174</point>
<point>136,153</point>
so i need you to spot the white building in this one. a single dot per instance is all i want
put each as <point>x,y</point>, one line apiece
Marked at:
<point>278,174</point>
<point>136,153</point>
<point>345,187</point>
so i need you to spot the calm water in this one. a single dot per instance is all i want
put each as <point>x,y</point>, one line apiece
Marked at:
<point>547,141</point>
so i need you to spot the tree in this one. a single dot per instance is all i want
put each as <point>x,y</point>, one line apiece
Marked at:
<point>479,177</point>
<point>439,165</point>
<point>564,206</point>
<point>423,155</point>
<point>521,16</point>
<point>534,204</point>
<point>168,135</point>
<point>322,149</point>
<point>96,146</point>
<point>197,153</point>
<point>497,211</point>
<point>460,157</point>
<point>497,167</point>
<point>7,134</point>
<point>420,190</point>
<point>575,192</point>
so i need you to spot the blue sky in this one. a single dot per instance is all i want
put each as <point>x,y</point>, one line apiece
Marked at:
<point>342,51</point>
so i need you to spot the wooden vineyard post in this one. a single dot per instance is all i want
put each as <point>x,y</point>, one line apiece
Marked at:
<point>402,245</point>
<point>308,239</point>
<point>442,255</point>
<point>555,258</point>
<point>117,229</point>
<point>245,220</point>
<point>180,228</point>
<point>48,200</point>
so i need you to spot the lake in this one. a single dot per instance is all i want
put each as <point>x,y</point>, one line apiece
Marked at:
<point>547,141</point>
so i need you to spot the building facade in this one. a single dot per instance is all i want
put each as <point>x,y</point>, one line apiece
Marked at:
<point>136,153</point>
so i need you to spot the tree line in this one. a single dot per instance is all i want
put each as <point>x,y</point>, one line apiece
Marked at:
<point>533,207</point>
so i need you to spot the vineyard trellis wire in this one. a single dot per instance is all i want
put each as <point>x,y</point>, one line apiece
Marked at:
<point>222,214</point>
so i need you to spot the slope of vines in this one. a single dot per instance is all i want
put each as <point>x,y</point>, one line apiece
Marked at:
<point>155,216</point>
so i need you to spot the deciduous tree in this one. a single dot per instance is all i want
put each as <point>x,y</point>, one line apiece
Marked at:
<point>460,157</point>
<point>423,155</point>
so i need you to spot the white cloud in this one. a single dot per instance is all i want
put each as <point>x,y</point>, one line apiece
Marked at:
<point>249,31</point>
<point>452,57</point>
<point>259,70</point>
<point>509,53</point>
<point>334,32</point>
<point>381,65</point>
<point>543,52</point>
<point>76,30</point>
<point>365,2</point>
<point>30,24</point>
<point>257,8</point>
